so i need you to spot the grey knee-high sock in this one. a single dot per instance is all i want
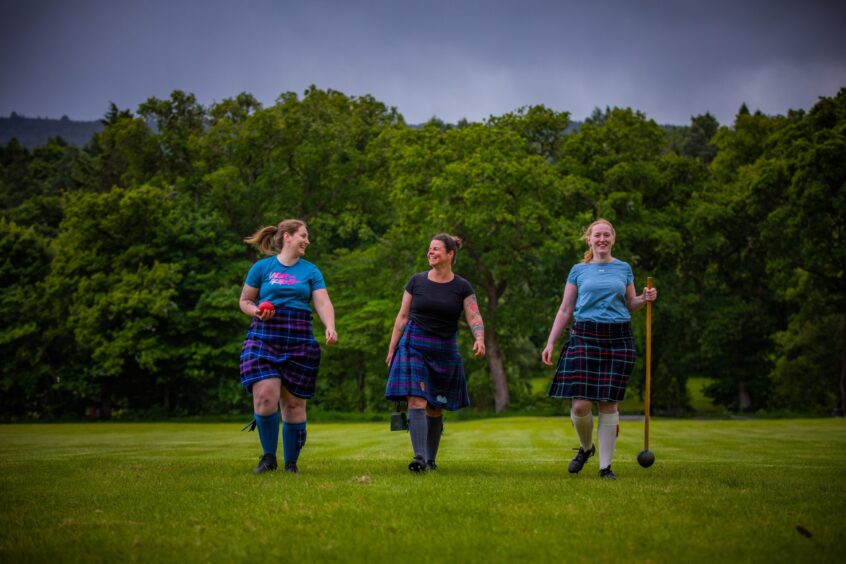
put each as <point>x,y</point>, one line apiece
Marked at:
<point>433,439</point>
<point>418,429</point>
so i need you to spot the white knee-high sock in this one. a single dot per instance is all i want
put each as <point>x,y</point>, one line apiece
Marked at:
<point>584,428</point>
<point>606,436</point>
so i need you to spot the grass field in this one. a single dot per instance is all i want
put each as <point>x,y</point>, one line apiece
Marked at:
<point>720,491</point>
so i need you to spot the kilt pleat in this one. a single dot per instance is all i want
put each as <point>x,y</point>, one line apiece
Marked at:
<point>428,366</point>
<point>595,363</point>
<point>282,347</point>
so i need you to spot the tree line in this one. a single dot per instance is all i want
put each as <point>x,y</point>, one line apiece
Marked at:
<point>122,261</point>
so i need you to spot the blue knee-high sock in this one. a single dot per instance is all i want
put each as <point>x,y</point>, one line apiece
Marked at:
<point>293,440</point>
<point>268,431</point>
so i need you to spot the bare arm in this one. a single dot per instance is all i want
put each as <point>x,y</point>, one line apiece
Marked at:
<point>634,303</point>
<point>399,325</point>
<point>249,295</point>
<point>477,326</point>
<point>562,318</point>
<point>326,313</point>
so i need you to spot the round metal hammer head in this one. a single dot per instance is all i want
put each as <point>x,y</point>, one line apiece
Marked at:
<point>646,458</point>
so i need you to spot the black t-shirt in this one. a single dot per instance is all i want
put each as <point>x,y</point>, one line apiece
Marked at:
<point>437,306</point>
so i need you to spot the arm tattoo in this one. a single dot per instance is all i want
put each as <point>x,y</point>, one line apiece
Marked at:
<point>472,305</point>
<point>474,318</point>
<point>478,328</point>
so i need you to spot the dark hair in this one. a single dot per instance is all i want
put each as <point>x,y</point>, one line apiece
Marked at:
<point>451,243</point>
<point>270,239</point>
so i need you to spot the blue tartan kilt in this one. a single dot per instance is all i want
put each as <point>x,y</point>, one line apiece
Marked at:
<point>595,363</point>
<point>282,347</point>
<point>428,366</point>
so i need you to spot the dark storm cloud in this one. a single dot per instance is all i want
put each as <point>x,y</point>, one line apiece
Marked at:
<point>452,59</point>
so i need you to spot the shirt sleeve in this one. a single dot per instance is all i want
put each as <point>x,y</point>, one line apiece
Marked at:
<point>411,283</point>
<point>467,290</point>
<point>629,274</point>
<point>574,275</point>
<point>255,275</point>
<point>317,281</point>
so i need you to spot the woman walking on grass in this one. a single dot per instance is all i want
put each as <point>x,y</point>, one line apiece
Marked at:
<point>598,358</point>
<point>425,366</point>
<point>280,356</point>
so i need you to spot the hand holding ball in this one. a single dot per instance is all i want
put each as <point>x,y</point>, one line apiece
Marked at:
<point>265,306</point>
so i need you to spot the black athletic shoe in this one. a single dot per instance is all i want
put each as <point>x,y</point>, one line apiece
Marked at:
<point>292,468</point>
<point>581,457</point>
<point>607,474</point>
<point>430,465</point>
<point>417,465</point>
<point>266,463</point>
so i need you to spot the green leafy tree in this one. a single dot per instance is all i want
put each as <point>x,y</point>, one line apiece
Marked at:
<point>32,184</point>
<point>542,128</point>
<point>305,158</point>
<point>739,313</point>
<point>179,122</point>
<point>25,371</point>
<point>125,152</point>
<point>804,170</point>
<point>695,140</point>
<point>147,286</point>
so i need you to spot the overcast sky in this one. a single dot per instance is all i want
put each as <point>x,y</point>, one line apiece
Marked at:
<point>447,58</point>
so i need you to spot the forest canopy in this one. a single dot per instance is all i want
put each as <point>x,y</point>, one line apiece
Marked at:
<point>122,261</point>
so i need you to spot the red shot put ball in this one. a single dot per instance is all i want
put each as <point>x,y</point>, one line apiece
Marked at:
<point>266,306</point>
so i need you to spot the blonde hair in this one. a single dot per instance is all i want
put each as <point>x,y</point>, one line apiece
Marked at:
<point>586,237</point>
<point>271,239</point>
<point>451,243</point>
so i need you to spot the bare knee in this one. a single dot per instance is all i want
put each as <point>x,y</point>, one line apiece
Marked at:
<point>266,396</point>
<point>608,407</point>
<point>416,402</point>
<point>581,408</point>
<point>294,409</point>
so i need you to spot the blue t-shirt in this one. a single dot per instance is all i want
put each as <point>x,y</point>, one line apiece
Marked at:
<point>602,291</point>
<point>285,286</point>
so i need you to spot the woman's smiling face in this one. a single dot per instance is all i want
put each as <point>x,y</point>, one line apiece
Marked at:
<point>299,241</point>
<point>438,254</point>
<point>601,239</point>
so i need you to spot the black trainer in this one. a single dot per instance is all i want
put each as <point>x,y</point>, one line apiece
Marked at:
<point>266,463</point>
<point>417,465</point>
<point>581,457</point>
<point>430,465</point>
<point>292,468</point>
<point>607,474</point>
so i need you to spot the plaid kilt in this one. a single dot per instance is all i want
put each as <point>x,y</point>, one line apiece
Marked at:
<point>430,367</point>
<point>595,363</point>
<point>282,347</point>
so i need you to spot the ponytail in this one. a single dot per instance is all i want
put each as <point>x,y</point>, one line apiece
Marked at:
<point>271,239</point>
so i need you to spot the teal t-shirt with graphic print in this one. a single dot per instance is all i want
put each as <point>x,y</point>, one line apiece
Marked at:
<point>285,286</point>
<point>602,291</point>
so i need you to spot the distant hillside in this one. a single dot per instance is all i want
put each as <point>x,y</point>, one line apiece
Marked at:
<point>34,132</point>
